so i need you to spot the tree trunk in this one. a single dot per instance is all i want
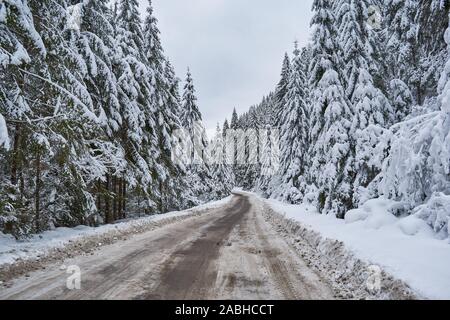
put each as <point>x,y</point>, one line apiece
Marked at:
<point>15,155</point>
<point>161,197</point>
<point>38,191</point>
<point>124,199</point>
<point>99,197</point>
<point>119,198</point>
<point>107,202</point>
<point>115,196</point>
<point>21,185</point>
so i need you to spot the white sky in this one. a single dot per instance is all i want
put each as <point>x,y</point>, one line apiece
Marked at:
<point>233,47</point>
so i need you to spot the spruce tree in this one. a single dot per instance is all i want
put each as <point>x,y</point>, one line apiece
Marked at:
<point>221,171</point>
<point>371,108</point>
<point>199,175</point>
<point>331,167</point>
<point>281,90</point>
<point>295,132</point>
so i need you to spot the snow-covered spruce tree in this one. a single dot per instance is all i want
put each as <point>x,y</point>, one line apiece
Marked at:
<point>372,114</point>
<point>20,44</point>
<point>331,167</point>
<point>417,171</point>
<point>234,125</point>
<point>372,111</point>
<point>281,90</point>
<point>221,173</point>
<point>90,142</point>
<point>165,104</point>
<point>238,142</point>
<point>270,160</point>
<point>401,99</point>
<point>138,132</point>
<point>401,40</point>
<point>226,127</point>
<point>415,31</point>
<point>173,82</point>
<point>323,53</point>
<point>52,140</point>
<point>75,143</point>
<point>92,39</point>
<point>356,39</point>
<point>432,20</point>
<point>294,133</point>
<point>177,184</point>
<point>252,167</point>
<point>228,153</point>
<point>191,120</point>
<point>198,175</point>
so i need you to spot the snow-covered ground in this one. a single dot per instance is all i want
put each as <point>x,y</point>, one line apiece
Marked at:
<point>407,248</point>
<point>38,246</point>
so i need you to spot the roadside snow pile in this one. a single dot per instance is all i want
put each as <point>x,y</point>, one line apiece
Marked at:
<point>44,244</point>
<point>405,247</point>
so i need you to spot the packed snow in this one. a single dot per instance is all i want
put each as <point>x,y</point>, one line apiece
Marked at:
<point>405,247</point>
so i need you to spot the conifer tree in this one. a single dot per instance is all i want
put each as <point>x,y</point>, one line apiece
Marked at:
<point>295,132</point>
<point>221,171</point>
<point>281,90</point>
<point>199,175</point>
<point>331,167</point>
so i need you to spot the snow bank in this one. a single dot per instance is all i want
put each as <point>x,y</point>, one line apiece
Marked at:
<point>407,248</point>
<point>40,245</point>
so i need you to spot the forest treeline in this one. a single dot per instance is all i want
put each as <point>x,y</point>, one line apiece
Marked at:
<point>88,106</point>
<point>363,111</point>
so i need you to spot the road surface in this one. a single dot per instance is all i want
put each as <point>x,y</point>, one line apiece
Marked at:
<point>229,253</point>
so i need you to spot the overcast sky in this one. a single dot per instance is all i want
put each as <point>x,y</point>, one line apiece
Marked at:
<point>233,47</point>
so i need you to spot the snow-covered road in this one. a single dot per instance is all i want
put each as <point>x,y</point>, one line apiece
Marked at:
<point>229,253</point>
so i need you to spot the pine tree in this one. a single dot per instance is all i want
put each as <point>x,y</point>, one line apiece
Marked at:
<point>432,20</point>
<point>139,130</point>
<point>331,167</point>
<point>226,127</point>
<point>86,116</point>
<point>165,100</point>
<point>199,175</point>
<point>402,38</point>
<point>94,43</point>
<point>281,90</point>
<point>191,120</point>
<point>236,143</point>
<point>357,39</point>
<point>234,125</point>
<point>371,108</point>
<point>416,172</point>
<point>270,157</point>
<point>20,45</point>
<point>323,53</point>
<point>221,171</point>
<point>295,132</point>
<point>401,99</point>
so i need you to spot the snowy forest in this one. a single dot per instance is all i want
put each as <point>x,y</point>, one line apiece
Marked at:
<point>88,107</point>
<point>90,111</point>
<point>363,111</point>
